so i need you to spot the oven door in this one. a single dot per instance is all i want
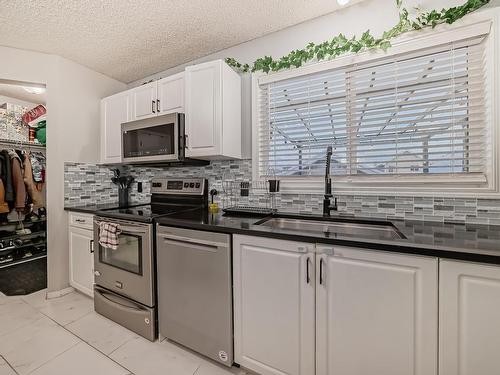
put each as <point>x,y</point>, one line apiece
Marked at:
<point>128,270</point>
<point>152,140</point>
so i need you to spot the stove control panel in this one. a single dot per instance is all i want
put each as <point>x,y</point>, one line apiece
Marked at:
<point>193,186</point>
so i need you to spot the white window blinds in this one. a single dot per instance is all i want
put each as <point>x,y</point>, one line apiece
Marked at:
<point>417,113</point>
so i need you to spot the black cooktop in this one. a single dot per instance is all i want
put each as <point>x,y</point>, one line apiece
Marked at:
<point>144,213</point>
<point>168,196</point>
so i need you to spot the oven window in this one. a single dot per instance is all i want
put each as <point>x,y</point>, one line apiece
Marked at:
<point>152,141</point>
<point>127,257</point>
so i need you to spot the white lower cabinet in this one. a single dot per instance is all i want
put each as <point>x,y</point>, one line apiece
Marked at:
<point>376,313</point>
<point>469,319</point>
<point>306,309</point>
<point>273,305</point>
<point>81,256</point>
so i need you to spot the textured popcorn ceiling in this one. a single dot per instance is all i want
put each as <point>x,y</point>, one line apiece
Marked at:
<point>128,39</point>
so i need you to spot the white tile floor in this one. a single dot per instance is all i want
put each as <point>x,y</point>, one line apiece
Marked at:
<point>65,336</point>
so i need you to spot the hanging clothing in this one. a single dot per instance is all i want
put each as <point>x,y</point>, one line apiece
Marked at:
<point>18,181</point>
<point>38,165</point>
<point>31,188</point>
<point>6,176</point>
<point>4,207</point>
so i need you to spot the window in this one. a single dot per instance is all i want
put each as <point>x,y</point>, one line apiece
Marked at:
<point>419,114</point>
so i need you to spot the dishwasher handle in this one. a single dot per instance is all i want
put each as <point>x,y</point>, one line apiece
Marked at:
<point>173,238</point>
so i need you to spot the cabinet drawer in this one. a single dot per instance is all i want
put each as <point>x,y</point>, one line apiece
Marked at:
<point>81,220</point>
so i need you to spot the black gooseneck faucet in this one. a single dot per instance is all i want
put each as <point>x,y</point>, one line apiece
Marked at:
<point>327,204</point>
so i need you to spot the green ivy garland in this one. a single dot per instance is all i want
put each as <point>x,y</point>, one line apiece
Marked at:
<point>340,44</point>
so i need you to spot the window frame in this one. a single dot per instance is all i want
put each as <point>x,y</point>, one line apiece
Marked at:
<point>409,185</point>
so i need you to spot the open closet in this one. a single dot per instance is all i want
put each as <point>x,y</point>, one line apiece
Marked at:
<point>23,227</point>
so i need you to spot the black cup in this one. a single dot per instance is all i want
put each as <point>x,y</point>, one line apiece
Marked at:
<point>274,186</point>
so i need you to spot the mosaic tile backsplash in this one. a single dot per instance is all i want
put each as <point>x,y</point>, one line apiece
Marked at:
<point>91,184</point>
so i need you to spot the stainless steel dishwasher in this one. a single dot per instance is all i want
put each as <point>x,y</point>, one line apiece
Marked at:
<point>195,291</point>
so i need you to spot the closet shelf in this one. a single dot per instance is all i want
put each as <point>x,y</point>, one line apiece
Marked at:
<point>25,223</point>
<point>31,145</point>
<point>14,236</point>
<point>24,246</point>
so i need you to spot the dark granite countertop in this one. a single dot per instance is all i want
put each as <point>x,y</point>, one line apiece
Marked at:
<point>456,241</point>
<point>92,208</point>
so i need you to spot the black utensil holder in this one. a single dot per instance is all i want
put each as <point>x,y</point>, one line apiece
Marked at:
<point>123,197</point>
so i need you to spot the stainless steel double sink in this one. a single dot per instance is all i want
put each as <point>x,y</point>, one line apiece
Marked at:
<point>332,227</point>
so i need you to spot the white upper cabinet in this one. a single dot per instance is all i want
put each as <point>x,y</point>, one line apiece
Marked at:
<point>213,111</point>
<point>376,313</point>
<point>144,101</point>
<point>115,110</point>
<point>210,96</point>
<point>273,306</point>
<point>469,310</point>
<point>171,94</point>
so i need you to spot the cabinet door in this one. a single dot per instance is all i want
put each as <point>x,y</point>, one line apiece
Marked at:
<point>376,313</point>
<point>81,260</point>
<point>171,94</point>
<point>204,109</point>
<point>144,101</point>
<point>273,306</point>
<point>469,310</point>
<point>115,110</point>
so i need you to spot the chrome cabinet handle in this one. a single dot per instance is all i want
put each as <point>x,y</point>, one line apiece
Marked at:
<point>80,220</point>
<point>308,277</point>
<point>153,106</point>
<point>91,246</point>
<point>158,105</point>
<point>321,280</point>
<point>186,141</point>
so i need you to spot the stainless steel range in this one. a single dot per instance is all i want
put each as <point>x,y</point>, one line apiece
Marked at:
<point>125,289</point>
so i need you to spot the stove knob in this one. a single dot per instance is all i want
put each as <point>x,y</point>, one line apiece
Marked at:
<point>186,184</point>
<point>197,185</point>
<point>191,185</point>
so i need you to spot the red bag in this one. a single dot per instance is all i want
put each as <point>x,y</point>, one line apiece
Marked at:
<point>33,114</point>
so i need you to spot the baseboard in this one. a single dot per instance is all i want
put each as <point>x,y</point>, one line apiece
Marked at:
<point>60,293</point>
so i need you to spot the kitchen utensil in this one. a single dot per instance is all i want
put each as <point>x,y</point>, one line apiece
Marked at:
<point>245,189</point>
<point>274,186</point>
<point>213,207</point>
<point>129,181</point>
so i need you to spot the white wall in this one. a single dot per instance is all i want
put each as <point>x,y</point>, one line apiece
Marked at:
<point>73,105</point>
<point>24,103</point>
<point>376,15</point>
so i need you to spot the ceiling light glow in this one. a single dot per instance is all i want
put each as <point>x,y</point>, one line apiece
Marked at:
<point>34,90</point>
<point>343,2</point>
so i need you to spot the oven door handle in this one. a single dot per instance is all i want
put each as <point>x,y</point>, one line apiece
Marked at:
<point>127,229</point>
<point>200,243</point>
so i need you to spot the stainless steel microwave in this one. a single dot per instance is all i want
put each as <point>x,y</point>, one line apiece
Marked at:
<point>154,140</point>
